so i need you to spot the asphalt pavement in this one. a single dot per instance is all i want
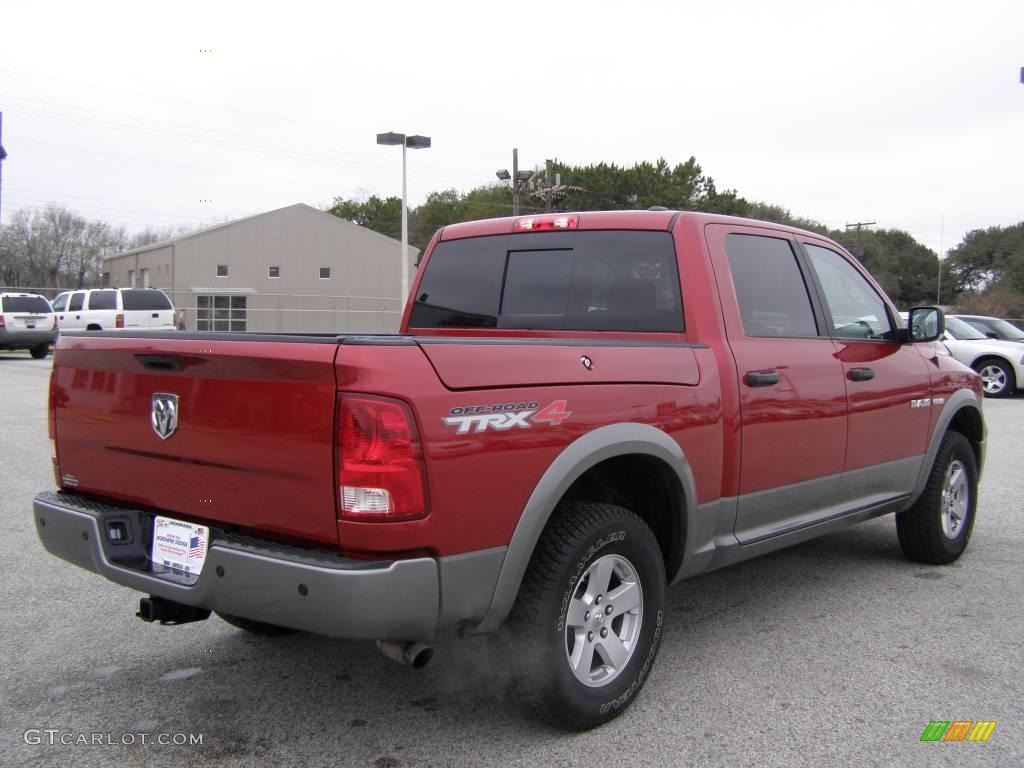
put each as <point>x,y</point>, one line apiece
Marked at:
<point>834,652</point>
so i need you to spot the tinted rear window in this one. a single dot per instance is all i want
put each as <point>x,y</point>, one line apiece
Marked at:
<point>145,298</point>
<point>594,281</point>
<point>34,304</point>
<point>103,300</point>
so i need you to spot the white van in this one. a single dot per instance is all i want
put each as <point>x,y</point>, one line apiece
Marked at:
<point>115,309</point>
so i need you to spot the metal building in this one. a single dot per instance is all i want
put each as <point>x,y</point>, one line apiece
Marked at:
<point>293,269</point>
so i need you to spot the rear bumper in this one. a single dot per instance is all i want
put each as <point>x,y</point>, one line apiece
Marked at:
<point>311,590</point>
<point>26,339</point>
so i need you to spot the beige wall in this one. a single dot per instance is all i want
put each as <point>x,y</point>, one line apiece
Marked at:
<point>362,294</point>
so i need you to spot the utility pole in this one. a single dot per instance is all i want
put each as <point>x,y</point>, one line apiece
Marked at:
<point>517,181</point>
<point>860,241</point>
<point>547,185</point>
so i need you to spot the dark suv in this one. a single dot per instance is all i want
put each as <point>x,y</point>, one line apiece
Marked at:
<point>27,322</point>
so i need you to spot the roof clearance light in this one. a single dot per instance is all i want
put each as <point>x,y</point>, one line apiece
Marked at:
<point>541,223</point>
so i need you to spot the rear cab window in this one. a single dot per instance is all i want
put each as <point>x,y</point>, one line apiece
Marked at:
<point>600,280</point>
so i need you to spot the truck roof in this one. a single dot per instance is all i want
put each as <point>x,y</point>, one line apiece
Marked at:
<point>648,220</point>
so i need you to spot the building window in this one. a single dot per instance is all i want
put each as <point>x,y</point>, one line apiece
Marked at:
<point>222,270</point>
<point>221,313</point>
<point>325,273</point>
<point>273,272</point>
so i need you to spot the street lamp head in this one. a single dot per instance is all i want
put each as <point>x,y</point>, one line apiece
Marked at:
<point>391,139</point>
<point>524,175</point>
<point>503,175</point>
<point>417,142</point>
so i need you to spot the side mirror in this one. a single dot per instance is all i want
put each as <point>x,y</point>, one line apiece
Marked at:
<point>992,334</point>
<point>925,324</point>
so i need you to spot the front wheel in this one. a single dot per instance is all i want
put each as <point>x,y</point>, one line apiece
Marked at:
<point>937,528</point>
<point>586,626</point>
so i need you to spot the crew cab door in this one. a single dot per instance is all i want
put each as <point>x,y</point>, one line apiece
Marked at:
<point>887,383</point>
<point>793,419</point>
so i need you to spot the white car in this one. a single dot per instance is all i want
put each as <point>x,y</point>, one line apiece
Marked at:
<point>1000,363</point>
<point>115,309</point>
<point>27,322</point>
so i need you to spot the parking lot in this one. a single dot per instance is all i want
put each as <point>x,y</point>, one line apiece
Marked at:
<point>834,652</point>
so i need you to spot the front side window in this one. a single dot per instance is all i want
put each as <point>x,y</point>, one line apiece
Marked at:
<point>583,281</point>
<point>770,289</point>
<point>857,311</point>
<point>60,303</point>
<point>961,331</point>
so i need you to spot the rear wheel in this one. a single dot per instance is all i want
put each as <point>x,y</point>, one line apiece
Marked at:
<point>996,377</point>
<point>587,623</point>
<point>937,528</point>
<point>256,627</point>
<point>40,351</point>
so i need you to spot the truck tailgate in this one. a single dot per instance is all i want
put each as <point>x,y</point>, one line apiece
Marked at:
<point>253,443</point>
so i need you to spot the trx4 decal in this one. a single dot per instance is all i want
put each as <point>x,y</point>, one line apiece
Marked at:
<point>502,416</point>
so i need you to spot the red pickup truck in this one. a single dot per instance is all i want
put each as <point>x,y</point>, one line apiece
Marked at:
<point>579,411</point>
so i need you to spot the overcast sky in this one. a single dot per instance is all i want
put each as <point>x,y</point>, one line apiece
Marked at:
<point>910,114</point>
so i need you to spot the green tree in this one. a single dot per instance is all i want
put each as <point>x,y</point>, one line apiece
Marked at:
<point>382,215</point>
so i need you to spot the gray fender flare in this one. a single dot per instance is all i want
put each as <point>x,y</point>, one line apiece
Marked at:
<point>579,456</point>
<point>962,398</point>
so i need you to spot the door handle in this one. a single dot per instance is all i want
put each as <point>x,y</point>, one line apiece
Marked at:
<point>862,374</point>
<point>761,378</point>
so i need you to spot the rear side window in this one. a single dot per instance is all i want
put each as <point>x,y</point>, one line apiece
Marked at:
<point>37,305</point>
<point>770,289</point>
<point>593,281</point>
<point>76,302</point>
<point>103,300</point>
<point>145,298</point>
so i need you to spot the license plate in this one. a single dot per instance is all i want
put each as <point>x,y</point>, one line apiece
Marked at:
<point>179,546</point>
<point>30,326</point>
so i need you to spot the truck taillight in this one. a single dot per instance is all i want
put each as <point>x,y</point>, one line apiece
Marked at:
<point>51,427</point>
<point>3,323</point>
<point>546,223</point>
<point>381,476</point>
<point>119,320</point>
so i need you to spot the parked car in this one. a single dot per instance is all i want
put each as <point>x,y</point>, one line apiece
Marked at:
<point>579,411</point>
<point>27,321</point>
<point>112,309</point>
<point>1000,363</point>
<point>993,327</point>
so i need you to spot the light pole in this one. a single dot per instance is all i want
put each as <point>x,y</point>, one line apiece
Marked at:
<point>517,180</point>
<point>412,142</point>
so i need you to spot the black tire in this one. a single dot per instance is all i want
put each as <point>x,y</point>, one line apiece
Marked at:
<point>40,351</point>
<point>1003,377</point>
<point>922,532</point>
<point>536,641</point>
<point>256,627</point>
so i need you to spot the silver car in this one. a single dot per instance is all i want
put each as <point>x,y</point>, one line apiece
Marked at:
<point>1000,363</point>
<point>27,322</point>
